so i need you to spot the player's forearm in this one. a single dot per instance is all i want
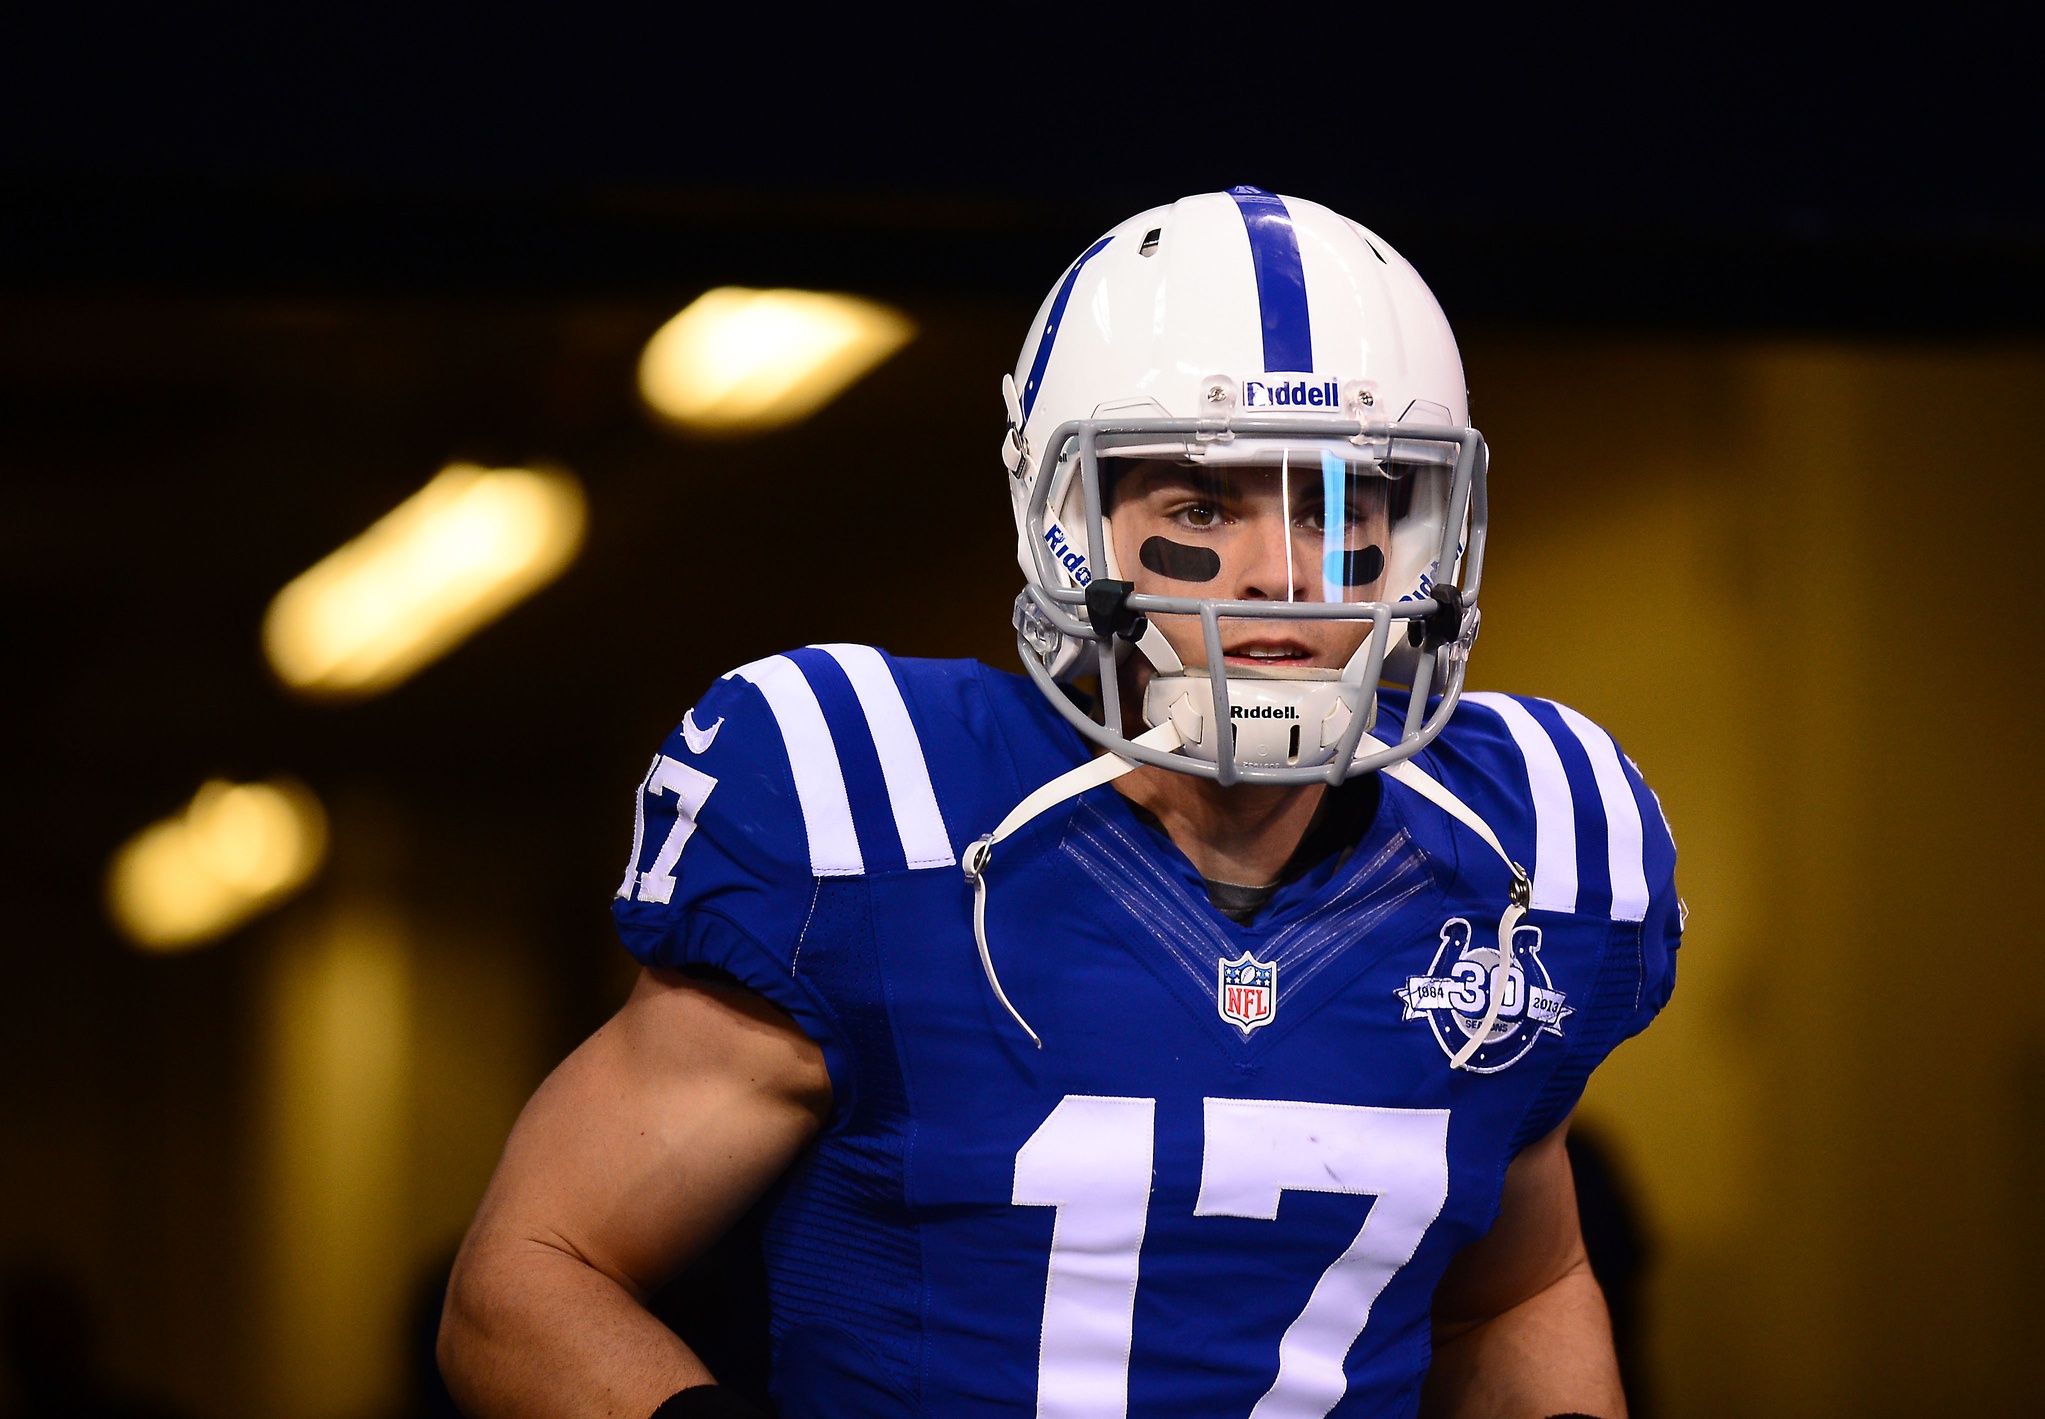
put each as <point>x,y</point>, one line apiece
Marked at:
<point>532,1331</point>
<point>1550,1354</point>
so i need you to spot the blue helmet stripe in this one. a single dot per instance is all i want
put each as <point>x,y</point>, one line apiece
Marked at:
<point>1029,390</point>
<point>1281,281</point>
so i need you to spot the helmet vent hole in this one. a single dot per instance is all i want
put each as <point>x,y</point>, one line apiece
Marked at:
<point>1150,240</point>
<point>1375,252</point>
<point>1292,754</point>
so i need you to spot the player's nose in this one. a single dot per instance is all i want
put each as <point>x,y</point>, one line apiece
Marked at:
<point>1265,568</point>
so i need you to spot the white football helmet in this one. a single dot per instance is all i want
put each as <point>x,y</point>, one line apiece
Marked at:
<point>1245,339</point>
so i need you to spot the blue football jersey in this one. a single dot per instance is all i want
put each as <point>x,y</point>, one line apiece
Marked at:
<point>1230,1179</point>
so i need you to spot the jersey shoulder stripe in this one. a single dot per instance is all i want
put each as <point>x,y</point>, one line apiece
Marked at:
<point>1624,844</point>
<point>861,776</point>
<point>813,761</point>
<point>1593,874</point>
<point>913,800</point>
<point>1554,864</point>
<point>865,785</point>
<point>1590,849</point>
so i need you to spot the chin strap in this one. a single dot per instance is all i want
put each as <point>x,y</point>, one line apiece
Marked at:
<point>1109,767</point>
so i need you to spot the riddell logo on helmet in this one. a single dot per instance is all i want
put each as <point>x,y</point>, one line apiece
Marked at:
<point>1308,393</point>
<point>1067,555</point>
<point>1263,712</point>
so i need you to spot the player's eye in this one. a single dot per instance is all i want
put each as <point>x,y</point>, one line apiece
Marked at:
<point>1313,518</point>
<point>1201,515</point>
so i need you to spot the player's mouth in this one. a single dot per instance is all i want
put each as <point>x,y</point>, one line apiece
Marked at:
<point>1269,654</point>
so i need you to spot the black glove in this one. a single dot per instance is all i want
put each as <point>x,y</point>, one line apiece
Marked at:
<point>707,1402</point>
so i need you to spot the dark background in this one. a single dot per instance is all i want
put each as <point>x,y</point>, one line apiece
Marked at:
<point>1872,168</point>
<point>262,271</point>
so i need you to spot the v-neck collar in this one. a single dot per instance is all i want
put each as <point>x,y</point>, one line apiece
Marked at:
<point>1310,932</point>
<point>1341,822</point>
<point>1294,899</point>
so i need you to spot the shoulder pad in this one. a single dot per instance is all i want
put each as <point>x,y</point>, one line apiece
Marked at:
<point>793,767</point>
<point>1592,832</point>
<point>856,758</point>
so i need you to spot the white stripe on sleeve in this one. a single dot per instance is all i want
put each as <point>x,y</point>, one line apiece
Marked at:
<point>1554,810</point>
<point>813,758</point>
<point>924,840</point>
<point>1622,818</point>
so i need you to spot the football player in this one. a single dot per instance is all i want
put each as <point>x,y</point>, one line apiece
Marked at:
<point>1187,1027</point>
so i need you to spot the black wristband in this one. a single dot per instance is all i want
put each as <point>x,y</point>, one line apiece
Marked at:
<point>706,1402</point>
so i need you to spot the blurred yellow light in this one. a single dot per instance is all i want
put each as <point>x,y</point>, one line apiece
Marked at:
<point>449,559</point>
<point>739,360</point>
<point>236,849</point>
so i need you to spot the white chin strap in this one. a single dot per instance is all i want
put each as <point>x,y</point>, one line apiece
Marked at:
<point>1109,767</point>
<point>1279,717</point>
<point>1158,651</point>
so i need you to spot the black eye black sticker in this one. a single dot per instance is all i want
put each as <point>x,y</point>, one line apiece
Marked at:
<point>1179,561</point>
<point>1361,566</point>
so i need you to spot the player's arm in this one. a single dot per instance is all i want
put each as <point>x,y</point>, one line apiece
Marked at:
<point>1520,1326</point>
<point>642,1148</point>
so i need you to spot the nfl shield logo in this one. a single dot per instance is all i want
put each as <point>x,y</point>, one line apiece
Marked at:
<point>1247,992</point>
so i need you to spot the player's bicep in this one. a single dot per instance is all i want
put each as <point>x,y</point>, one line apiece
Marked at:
<point>1536,1241</point>
<point>656,1134</point>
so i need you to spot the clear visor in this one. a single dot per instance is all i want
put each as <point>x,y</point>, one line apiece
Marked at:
<point>1260,551</point>
<point>1296,526</point>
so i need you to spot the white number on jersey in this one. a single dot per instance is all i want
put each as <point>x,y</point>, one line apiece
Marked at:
<point>1258,1149</point>
<point>1091,1159</point>
<point>690,788</point>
